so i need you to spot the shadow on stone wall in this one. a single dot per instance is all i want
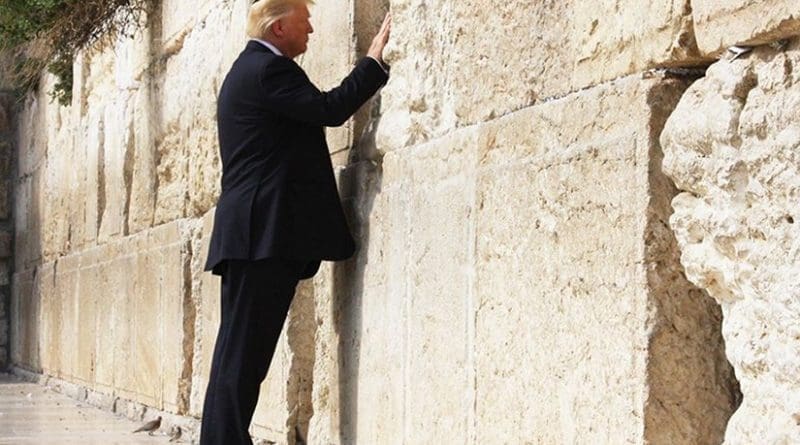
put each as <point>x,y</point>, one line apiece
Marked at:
<point>363,183</point>
<point>693,390</point>
<point>360,184</point>
<point>6,227</point>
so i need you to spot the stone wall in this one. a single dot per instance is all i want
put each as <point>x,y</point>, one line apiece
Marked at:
<point>732,146</point>
<point>517,280</point>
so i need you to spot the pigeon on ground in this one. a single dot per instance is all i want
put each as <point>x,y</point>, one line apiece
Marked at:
<point>175,434</point>
<point>150,426</point>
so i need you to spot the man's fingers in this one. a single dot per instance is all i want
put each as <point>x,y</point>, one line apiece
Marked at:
<point>386,23</point>
<point>386,27</point>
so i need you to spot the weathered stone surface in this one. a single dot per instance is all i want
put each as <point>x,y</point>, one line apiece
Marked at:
<point>143,184</point>
<point>719,24</point>
<point>179,18</point>
<point>111,317</point>
<point>553,270</point>
<point>207,288</point>
<point>479,251</point>
<point>361,310</point>
<point>732,146</point>
<point>456,63</point>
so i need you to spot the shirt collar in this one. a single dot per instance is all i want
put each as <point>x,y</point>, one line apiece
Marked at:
<point>270,46</point>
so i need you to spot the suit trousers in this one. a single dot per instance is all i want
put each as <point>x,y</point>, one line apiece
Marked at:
<point>256,296</point>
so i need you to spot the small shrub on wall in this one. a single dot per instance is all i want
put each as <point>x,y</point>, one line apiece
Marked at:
<point>45,34</point>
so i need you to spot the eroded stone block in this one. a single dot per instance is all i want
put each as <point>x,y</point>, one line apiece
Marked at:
<point>115,168</point>
<point>112,317</point>
<point>456,63</point>
<point>731,146</point>
<point>719,24</point>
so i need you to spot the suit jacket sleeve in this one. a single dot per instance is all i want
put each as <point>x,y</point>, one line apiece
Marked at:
<point>288,91</point>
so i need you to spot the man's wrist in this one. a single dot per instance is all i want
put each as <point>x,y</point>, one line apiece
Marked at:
<point>380,63</point>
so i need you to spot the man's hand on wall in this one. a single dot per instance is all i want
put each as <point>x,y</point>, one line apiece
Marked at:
<point>379,42</point>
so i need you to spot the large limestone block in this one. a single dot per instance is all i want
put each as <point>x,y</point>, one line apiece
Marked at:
<point>31,134</point>
<point>361,330</point>
<point>141,207</point>
<point>112,317</point>
<point>160,306</point>
<point>324,424</point>
<point>732,146</point>
<point>456,63</point>
<point>115,167</point>
<point>719,24</point>
<point>576,285</point>
<point>62,210</point>
<point>440,305</point>
<point>71,334</point>
<point>50,333</point>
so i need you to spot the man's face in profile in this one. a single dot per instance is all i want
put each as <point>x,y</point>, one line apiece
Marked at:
<point>296,28</point>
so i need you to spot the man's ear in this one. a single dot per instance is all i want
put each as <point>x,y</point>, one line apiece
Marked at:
<point>277,28</point>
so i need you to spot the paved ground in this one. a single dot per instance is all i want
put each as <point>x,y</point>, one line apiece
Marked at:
<point>32,414</point>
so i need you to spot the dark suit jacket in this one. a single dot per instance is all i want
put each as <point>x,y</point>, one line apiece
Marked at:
<point>279,196</point>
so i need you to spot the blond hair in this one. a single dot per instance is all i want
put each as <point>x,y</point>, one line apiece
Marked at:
<point>264,13</point>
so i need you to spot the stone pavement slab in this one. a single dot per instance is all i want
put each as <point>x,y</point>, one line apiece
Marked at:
<point>34,414</point>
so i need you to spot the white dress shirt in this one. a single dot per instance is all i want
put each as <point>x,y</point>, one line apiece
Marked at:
<point>269,46</point>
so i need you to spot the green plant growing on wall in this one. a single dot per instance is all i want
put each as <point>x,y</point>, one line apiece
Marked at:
<point>45,34</point>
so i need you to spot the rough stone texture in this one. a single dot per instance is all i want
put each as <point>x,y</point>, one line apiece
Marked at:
<point>593,177</point>
<point>719,24</point>
<point>732,147</point>
<point>457,62</point>
<point>510,270</point>
<point>107,318</point>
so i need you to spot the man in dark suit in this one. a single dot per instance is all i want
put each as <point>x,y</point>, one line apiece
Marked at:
<point>279,212</point>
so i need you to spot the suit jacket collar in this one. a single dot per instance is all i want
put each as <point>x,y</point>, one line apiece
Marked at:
<point>252,45</point>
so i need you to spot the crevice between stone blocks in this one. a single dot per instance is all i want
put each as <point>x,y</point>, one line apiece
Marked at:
<point>689,397</point>
<point>190,261</point>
